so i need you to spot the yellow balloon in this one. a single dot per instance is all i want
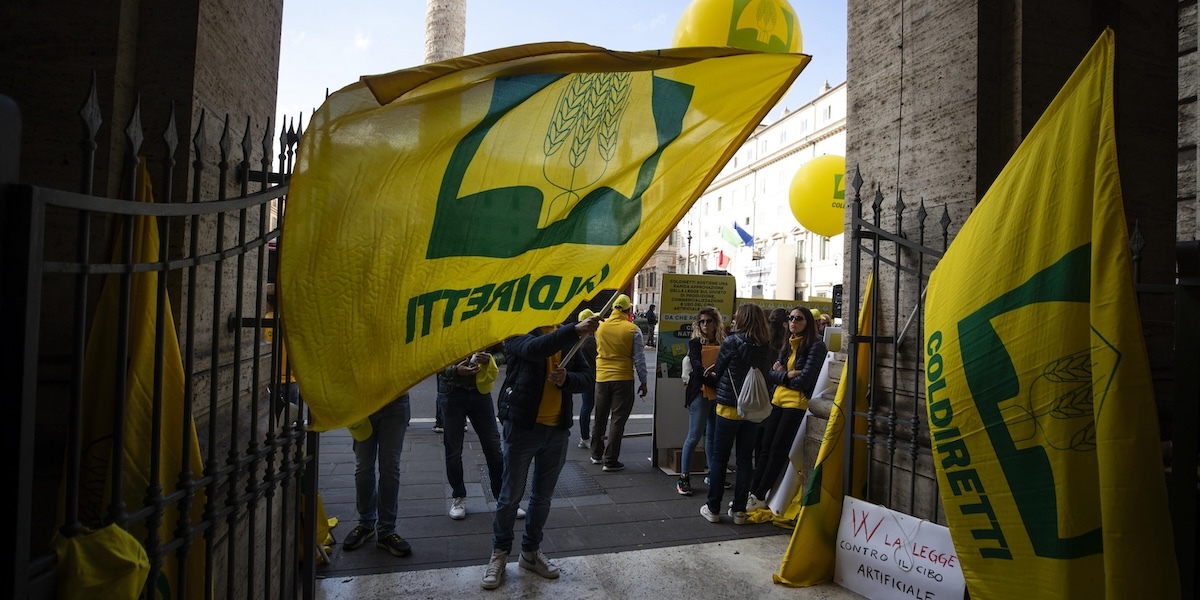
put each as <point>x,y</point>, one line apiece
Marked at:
<point>766,25</point>
<point>818,195</point>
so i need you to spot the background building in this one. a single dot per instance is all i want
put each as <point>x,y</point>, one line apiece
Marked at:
<point>786,262</point>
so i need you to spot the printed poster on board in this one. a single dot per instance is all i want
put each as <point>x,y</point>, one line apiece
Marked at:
<point>882,553</point>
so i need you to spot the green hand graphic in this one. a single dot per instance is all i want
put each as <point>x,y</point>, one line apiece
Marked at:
<point>995,386</point>
<point>505,222</point>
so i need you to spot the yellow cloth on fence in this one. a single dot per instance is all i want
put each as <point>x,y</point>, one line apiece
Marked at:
<point>99,382</point>
<point>1040,403</point>
<point>105,563</point>
<point>444,208</point>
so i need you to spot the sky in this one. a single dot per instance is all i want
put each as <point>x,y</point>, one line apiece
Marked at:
<point>328,45</point>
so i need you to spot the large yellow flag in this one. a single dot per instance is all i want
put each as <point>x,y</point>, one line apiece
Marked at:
<point>810,555</point>
<point>441,209</point>
<point>1039,397</point>
<point>100,402</point>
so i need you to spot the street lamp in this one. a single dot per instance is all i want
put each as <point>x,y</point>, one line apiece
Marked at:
<point>688,269</point>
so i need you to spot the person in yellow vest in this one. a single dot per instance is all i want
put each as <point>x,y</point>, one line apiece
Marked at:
<point>536,417</point>
<point>620,354</point>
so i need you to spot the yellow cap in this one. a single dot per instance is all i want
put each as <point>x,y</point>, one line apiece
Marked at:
<point>622,303</point>
<point>586,314</point>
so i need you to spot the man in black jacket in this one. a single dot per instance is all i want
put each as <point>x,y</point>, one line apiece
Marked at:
<point>536,415</point>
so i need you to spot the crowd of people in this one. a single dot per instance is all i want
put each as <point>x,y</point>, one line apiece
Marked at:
<point>528,425</point>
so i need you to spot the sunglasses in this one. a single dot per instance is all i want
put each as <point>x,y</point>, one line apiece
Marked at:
<point>703,321</point>
<point>795,318</point>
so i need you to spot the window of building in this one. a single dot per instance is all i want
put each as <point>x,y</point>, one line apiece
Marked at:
<point>782,137</point>
<point>762,147</point>
<point>706,209</point>
<point>800,254</point>
<point>719,202</point>
<point>824,248</point>
<point>803,125</point>
<point>827,112</point>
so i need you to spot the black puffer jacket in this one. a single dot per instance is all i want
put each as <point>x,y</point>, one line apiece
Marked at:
<point>525,376</point>
<point>809,364</point>
<point>736,357</point>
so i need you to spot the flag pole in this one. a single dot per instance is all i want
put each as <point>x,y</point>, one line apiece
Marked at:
<point>607,307</point>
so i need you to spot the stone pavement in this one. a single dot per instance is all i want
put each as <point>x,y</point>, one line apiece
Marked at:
<point>597,521</point>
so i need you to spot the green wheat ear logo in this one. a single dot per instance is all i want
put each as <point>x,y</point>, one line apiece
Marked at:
<point>583,133</point>
<point>761,25</point>
<point>839,186</point>
<point>579,146</point>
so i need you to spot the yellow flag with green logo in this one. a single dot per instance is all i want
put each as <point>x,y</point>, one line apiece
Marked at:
<point>810,557</point>
<point>1041,410</point>
<point>438,210</point>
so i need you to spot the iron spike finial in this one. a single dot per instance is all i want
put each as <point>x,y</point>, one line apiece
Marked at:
<point>200,140</point>
<point>133,131</point>
<point>857,182</point>
<point>90,112</point>
<point>171,136</point>
<point>246,145</point>
<point>223,143</point>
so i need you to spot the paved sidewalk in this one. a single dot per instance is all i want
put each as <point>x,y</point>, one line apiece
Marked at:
<point>593,513</point>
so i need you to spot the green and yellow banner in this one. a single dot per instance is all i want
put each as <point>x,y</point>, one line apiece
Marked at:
<point>811,555</point>
<point>441,209</point>
<point>1040,404</point>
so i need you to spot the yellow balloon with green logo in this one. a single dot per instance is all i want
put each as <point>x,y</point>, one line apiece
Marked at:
<point>766,25</point>
<point>818,195</point>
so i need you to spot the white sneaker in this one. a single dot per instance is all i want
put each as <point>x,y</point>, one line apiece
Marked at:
<point>458,509</point>
<point>538,563</point>
<point>521,513</point>
<point>707,514</point>
<point>493,576</point>
<point>739,518</point>
<point>583,443</point>
<point>753,504</point>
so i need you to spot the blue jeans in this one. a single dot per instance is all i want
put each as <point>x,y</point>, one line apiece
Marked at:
<point>728,434</point>
<point>701,418</point>
<point>587,400</point>
<point>546,447</point>
<point>388,425</point>
<point>457,405</point>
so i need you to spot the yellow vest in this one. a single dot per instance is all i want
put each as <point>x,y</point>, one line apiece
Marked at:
<point>786,397</point>
<point>614,345</point>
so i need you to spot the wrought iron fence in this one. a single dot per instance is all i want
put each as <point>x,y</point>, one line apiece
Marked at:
<point>898,255</point>
<point>61,251</point>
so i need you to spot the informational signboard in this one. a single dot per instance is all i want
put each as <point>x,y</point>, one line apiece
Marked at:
<point>882,553</point>
<point>824,305</point>
<point>682,298</point>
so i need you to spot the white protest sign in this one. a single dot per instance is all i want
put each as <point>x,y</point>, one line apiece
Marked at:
<point>882,553</point>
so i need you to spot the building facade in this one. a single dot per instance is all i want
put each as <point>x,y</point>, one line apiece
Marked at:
<point>786,261</point>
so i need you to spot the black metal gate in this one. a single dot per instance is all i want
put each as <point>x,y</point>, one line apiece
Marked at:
<point>901,254</point>
<point>60,250</point>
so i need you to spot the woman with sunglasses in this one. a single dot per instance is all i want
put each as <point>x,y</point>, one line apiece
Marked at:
<point>707,334</point>
<point>795,376</point>
<point>747,347</point>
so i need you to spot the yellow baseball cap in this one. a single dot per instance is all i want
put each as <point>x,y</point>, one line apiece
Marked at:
<point>622,303</point>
